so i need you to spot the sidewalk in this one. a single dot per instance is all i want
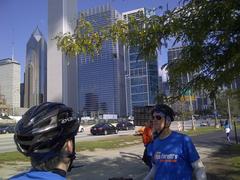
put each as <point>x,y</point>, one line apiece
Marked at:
<point>124,162</point>
<point>127,163</point>
<point>105,164</point>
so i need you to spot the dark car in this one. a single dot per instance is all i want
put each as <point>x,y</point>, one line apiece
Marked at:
<point>3,130</point>
<point>10,129</point>
<point>6,129</point>
<point>125,125</point>
<point>103,129</point>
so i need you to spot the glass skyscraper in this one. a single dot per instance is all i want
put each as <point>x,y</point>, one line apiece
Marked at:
<point>101,78</point>
<point>141,75</point>
<point>35,78</point>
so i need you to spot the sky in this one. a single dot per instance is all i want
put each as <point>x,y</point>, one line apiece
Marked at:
<point>19,18</point>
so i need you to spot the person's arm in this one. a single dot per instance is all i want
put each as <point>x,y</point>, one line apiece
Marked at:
<point>194,159</point>
<point>199,170</point>
<point>151,173</point>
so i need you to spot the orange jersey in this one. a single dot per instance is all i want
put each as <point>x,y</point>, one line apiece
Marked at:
<point>147,135</point>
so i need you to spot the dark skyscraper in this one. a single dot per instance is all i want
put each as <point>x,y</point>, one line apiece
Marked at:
<point>22,95</point>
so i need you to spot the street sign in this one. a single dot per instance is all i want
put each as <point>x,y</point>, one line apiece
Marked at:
<point>187,98</point>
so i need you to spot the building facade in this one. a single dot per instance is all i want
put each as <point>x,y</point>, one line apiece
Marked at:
<point>200,100</point>
<point>35,76</point>
<point>101,78</point>
<point>10,83</point>
<point>62,81</point>
<point>141,75</point>
<point>22,95</point>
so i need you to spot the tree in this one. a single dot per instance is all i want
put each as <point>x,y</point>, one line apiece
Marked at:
<point>209,31</point>
<point>161,98</point>
<point>84,40</point>
<point>222,105</point>
<point>210,34</point>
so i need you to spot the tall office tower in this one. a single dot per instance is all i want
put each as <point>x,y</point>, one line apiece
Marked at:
<point>62,82</point>
<point>160,84</point>
<point>101,78</point>
<point>141,75</point>
<point>10,83</point>
<point>35,76</point>
<point>199,99</point>
<point>22,95</point>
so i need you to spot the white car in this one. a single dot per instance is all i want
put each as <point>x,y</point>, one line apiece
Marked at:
<point>81,128</point>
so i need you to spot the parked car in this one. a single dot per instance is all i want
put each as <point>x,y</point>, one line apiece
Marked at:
<point>81,129</point>
<point>3,130</point>
<point>10,129</point>
<point>6,129</point>
<point>125,125</point>
<point>103,129</point>
<point>205,123</point>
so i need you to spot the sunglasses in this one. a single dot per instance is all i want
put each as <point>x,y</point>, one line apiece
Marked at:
<point>157,117</point>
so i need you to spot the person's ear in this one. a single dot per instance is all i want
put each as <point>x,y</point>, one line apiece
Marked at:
<point>69,146</point>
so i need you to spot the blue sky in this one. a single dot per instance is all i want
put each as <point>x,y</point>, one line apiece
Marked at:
<point>19,18</point>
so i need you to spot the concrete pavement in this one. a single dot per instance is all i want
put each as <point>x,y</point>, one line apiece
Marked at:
<point>127,163</point>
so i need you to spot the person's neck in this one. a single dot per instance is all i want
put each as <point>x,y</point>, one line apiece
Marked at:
<point>63,166</point>
<point>166,132</point>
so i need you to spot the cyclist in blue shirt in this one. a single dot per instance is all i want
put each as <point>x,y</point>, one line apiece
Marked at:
<point>174,156</point>
<point>46,134</point>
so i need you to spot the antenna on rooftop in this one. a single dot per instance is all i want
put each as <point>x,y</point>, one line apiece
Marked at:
<point>13,43</point>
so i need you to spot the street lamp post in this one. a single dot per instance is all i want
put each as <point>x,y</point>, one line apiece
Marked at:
<point>229,111</point>
<point>191,106</point>
<point>215,111</point>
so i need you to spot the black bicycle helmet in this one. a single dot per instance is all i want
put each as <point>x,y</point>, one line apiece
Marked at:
<point>165,109</point>
<point>44,129</point>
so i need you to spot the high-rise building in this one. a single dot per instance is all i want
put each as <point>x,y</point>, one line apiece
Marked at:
<point>10,83</point>
<point>62,82</point>
<point>160,84</point>
<point>22,95</point>
<point>35,76</point>
<point>101,78</point>
<point>199,99</point>
<point>141,75</point>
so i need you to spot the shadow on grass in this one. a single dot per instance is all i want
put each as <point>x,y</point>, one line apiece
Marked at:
<point>224,163</point>
<point>127,166</point>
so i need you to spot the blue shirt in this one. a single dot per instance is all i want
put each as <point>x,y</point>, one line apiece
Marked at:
<point>173,156</point>
<point>38,175</point>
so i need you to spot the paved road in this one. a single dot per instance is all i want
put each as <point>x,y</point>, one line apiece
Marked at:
<point>7,144</point>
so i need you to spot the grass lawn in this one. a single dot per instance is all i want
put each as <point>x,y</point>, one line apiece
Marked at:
<point>110,143</point>
<point>202,130</point>
<point>12,157</point>
<point>225,164</point>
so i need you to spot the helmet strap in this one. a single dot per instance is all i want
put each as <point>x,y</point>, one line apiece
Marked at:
<point>72,156</point>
